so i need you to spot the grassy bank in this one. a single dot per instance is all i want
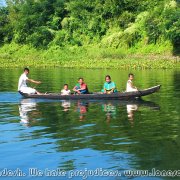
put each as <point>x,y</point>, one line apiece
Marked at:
<point>13,55</point>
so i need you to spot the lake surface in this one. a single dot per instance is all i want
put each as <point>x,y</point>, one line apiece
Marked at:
<point>69,136</point>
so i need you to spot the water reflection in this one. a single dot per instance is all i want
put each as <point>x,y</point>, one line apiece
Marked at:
<point>66,134</point>
<point>110,110</point>
<point>82,108</point>
<point>131,108</point>
<point>66,105</point>
<point>27,110</point>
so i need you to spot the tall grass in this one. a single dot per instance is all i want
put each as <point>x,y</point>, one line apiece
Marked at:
<point>13,55</point>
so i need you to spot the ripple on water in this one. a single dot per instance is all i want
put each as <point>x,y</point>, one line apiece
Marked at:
<point>9,97</point>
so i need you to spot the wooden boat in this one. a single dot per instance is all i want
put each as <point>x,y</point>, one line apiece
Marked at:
<point>96,96</point>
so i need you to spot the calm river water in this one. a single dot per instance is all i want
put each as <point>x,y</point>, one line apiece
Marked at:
<point>89,135</point>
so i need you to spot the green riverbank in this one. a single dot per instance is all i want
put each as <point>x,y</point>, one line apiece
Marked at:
<point>14,55</point>
<point>130,34</point>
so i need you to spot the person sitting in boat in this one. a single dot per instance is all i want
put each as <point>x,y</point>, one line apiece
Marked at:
<point>65,90</point>
<point>81,87</point>
<point>130,87</point>
<point>109,86</point>
<point>22,86</point>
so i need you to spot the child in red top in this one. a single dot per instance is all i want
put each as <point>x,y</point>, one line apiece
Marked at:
<point>81,87</point>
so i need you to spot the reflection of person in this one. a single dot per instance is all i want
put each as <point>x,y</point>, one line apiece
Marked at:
<point>65,90</point>
<point>26,106</point>
<point>22,86</point>
<point>109,86</point>
<point>130,110</point>
<point>130,87</point>
<point>82,108</point>
<point>66,105</point>
<point>81,87</point>
<point>110,110</point>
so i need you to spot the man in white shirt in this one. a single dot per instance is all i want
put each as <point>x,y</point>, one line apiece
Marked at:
<point>22,86</point>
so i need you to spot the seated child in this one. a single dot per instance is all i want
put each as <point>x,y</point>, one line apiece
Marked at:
<point>109,86</point>
<point>65,91</point>
<point>81,87</point>
<point>130,87</point>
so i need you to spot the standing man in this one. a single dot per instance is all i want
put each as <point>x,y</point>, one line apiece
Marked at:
<point>22,86</point>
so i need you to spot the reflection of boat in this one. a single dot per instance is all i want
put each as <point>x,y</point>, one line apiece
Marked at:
<point>114,96</point>
<point>135,102</point>
<point>26,106</point>
<point>110,107</point>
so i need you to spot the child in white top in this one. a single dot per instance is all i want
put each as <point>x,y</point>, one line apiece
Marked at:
<point>129,86</point>
<point>65,91</point>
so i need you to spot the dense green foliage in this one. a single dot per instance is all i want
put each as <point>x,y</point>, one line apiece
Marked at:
<point>110,23</point>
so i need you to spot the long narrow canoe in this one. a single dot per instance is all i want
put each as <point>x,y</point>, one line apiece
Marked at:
<point>96,96</point>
